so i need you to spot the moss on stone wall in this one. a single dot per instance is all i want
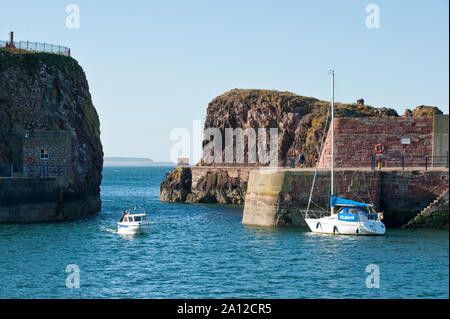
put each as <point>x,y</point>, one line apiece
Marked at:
<point>437,219</point>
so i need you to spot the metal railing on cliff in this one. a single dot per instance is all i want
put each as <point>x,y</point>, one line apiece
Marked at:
<point>36,47</point>
<point>386,161</point>
<point>379,162</point>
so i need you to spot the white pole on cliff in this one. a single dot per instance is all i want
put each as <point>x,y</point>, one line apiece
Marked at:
<point>332,136</point>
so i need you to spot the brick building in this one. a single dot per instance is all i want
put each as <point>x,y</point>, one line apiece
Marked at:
<point>46,153</point>
<point>400,140</point>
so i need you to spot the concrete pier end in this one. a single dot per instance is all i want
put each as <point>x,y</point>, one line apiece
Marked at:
<point>263,196</point>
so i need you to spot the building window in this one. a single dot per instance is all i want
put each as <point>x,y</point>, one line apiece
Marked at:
<point>44,154</point>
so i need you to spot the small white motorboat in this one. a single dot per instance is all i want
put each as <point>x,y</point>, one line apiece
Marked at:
<point>133,222</point>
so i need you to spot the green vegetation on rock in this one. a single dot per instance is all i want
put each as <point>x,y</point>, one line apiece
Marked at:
<point>300,120</point>
<point>422,111</point>
<point>29,61</point>
<point>438,219</point>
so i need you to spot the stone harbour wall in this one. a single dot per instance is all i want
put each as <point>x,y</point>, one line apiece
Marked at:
<point>28,200</point>
<point>353,151</point>
<point>440,139</point>
<point>275,196</point>
<point>400,194</point>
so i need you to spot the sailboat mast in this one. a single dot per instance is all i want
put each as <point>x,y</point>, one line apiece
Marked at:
<point>332,137</point>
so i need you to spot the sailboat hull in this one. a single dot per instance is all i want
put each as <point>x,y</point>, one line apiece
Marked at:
<point>334,226</point>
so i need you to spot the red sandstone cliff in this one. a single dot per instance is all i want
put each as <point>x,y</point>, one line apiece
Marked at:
<point>41,91</point>
<point>300,120</point>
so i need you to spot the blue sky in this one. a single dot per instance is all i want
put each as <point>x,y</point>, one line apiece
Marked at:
<point>153,66</point>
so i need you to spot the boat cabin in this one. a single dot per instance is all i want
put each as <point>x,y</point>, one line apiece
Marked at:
<point>134,218</point>
<point>351,214</point>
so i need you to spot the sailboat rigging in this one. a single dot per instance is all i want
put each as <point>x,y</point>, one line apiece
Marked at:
<point>353,218</point>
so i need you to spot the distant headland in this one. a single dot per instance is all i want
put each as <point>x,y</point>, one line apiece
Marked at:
<point>133,161</point>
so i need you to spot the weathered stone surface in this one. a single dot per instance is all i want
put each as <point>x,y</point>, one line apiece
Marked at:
<point>217,187</point>
<point>275,196</point>
<point>300,120</point>
<point>41,91</point>
<point>401,195</point>
<point>177,185</point>
<point>426,111</point>
<point>282,207</point>
<point>262,203</point>
<point>356,138</point>
<point>407,113</point>
<point>27,200</point>
<point>438,219</point>
<point>205,185</point>
<point>440,140</point>
<point>434,215</point>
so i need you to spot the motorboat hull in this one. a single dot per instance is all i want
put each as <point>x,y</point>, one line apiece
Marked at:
<point>130,229</point>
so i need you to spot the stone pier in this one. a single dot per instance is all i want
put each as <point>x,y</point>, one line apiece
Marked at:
<point>274,197</point>
<point>32,200</point>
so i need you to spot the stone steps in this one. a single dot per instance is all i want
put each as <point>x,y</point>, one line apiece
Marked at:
<point>427,211</point>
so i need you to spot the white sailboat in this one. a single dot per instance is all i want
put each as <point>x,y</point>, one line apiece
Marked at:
<point>352,218</point>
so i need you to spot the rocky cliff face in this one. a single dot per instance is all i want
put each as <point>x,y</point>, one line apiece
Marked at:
<point>40,91</point>
<point>177,185</point>
<point>300,121</point>
<point>205,185</point>
<point>422,111</point>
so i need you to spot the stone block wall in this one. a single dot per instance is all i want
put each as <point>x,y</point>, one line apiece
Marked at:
<point>29,200</point>
<point>276,197</point>
<point>355,185</point>
<point>262,200</point>
<point>58,146</point>
<point>356,138</point>
<point>440,140</point>
<point>400,194</point>
<point>411,190</point>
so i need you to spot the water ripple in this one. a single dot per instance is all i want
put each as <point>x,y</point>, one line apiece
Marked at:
<point>203,251</point>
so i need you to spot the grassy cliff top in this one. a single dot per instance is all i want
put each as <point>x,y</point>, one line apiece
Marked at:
<point>291,102</point>
<point>31,61</point>
<point>301,120</point>
<point>425,111</point>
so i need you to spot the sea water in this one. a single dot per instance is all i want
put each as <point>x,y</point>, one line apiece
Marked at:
<point>204,251</point>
